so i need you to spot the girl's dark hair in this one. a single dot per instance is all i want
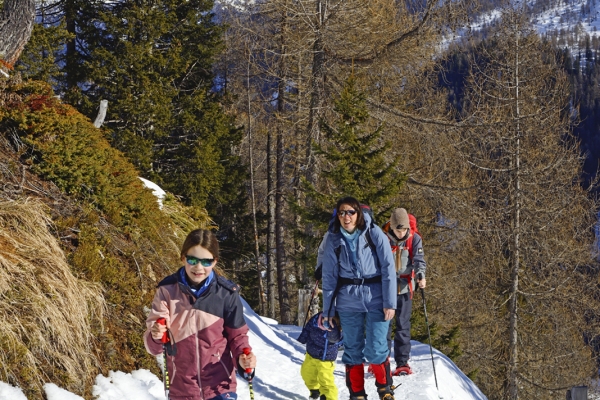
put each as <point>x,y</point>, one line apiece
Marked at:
<point>355,204</point>
<point>202,237</point>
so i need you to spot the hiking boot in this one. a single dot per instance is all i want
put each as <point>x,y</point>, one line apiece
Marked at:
<point>314,394</point>
<point>385,393</point>
<point>358,397</point>
<point>402,370</point>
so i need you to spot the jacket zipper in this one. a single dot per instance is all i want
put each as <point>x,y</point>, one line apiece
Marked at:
<point>218,355</point>
<point>198,367</point>
<point>325,349</point>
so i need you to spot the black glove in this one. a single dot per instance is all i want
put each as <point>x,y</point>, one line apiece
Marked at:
<point>318,272</point>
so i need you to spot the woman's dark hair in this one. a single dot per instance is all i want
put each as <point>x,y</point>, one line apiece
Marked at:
<point>202,237</point>
<point>355,204</point>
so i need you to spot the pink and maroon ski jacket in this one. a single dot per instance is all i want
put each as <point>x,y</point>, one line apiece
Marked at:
<point>209,332</point>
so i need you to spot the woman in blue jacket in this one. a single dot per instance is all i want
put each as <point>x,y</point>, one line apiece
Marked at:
<point>359,283</point>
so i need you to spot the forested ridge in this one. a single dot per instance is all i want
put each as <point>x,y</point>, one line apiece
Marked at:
<point>256,119</point>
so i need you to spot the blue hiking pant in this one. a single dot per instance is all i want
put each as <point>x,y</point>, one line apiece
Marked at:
<point>365,337</point>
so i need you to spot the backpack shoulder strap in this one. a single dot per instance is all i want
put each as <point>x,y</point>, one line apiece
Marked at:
<point>408,245</point>
<point>337,251</point>
<point>370,240</point>
<point>372,243</point>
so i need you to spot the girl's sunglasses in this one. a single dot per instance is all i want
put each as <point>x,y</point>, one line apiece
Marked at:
<point>205,262</point>
<point>349,212</point>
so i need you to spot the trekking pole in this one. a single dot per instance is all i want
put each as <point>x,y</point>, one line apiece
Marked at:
<point>248,376</point>
<point>420,276</point>
<point>165,340</point>
<point>312,296</point>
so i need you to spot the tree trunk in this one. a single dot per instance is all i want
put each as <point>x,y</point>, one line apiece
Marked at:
<point>284,301</point>
<point>271,242</point>
<point>316,98</point>
<point>71,56</point>
<point>16,23</point>
<point>261,302</point>
<point>101,113</point>
<point>513,364</point>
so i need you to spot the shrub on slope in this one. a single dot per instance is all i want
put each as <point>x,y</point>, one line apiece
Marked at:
<point>113,235</point>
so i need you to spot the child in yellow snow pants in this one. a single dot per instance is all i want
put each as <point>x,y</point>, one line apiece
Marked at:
<point>318,376</point>
<point>322,346</point>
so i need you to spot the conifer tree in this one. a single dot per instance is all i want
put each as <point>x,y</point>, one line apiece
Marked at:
<point>354,159</point>
<point>153,61</point>
<point>44,54</point>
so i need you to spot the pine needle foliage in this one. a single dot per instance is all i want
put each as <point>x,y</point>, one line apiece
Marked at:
<point>353,154</point>
<point>44,55</point>
<point>153,61</point>
<point>66,148</point>
<point>354,159</point>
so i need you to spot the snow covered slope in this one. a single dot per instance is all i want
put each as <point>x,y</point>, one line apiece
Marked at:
<point>278,374</point>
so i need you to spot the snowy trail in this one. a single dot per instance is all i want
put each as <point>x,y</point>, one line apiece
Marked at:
<point>278,377</point>
<point>285,357</point>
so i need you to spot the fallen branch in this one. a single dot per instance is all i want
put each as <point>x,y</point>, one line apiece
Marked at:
<point>101,114</point>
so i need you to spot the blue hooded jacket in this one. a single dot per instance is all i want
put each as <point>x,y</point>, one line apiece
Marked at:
<point>321,345</point>
<point>370,263</point>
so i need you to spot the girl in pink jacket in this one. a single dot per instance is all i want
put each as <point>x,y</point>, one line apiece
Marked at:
<point>204,315</point>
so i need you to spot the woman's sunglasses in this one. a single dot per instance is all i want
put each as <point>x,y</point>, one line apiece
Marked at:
<point>205,262</point>
<point>349,212</point>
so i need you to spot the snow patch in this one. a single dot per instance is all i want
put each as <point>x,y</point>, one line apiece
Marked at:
<point>156,191</point>
<point>10,392</point>
<point>53,392</point>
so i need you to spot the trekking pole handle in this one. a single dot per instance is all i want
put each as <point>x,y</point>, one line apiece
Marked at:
<point>246,352</point>
<point>420,276</point>
<point>165,337</point>
<point>248,375</point>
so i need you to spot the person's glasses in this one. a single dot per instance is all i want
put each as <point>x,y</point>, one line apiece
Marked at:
<point>205,262</point>
<point>343,213</point>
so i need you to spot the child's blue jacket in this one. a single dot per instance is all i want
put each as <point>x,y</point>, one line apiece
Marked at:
<point>320,344</point>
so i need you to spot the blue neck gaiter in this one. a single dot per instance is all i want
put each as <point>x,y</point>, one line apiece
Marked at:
<point>203,286</point>
<point>352,241</point>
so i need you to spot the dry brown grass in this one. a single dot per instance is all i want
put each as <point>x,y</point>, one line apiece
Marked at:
<point>47,313</point>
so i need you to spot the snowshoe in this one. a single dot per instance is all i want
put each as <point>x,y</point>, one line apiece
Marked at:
<point>385,393</point>
<point>402,370</point>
